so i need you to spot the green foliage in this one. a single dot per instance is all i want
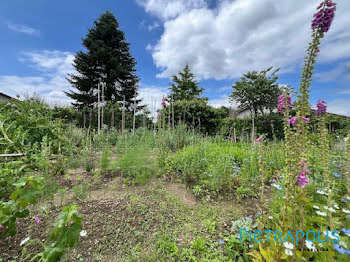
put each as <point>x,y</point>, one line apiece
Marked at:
<point>184,87</point>
<point>257,91</point>
<point>108,50</point>
<point>65,234</point>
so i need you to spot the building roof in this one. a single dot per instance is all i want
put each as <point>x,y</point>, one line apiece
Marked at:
<point>7,96</point>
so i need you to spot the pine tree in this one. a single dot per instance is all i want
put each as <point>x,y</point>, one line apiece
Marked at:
<point>107,59</point>
<point>184,87</point>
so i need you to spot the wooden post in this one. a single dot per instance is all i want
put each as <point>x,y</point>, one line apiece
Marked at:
<point>234,135</point>
<point>123,116</point>
<point>98,109</point>
<point>84,119</point>
<point>103,85</point>
<point>112,117</point>
<point>172,105</point>
<point>134,119</point>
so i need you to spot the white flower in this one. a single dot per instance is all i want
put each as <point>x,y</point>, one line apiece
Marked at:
<point>316,207</point>
<point>288,245</point>
<point>346,211</point>
<point>321,192</point>
<point>83,233</point>
<point>320,245</point>
<point>24,241</point>
<point>347,197</point>
<point>311,246</point>
<point>333,236</point>
<point>320,213</point>
<point>336,206</point>
<point>288,252</point>
<point>330,209</point>
<point>343,244</point>
<point>270,217</point>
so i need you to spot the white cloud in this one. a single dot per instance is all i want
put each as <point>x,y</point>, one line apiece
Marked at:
<point>336,73</point>
<point>242,35</point>
<point>223,100</point>
<point>23,29</point>
<point>51,82</point>
<point>152,97</point>
<point>166,9</point>
<point>339,106</point>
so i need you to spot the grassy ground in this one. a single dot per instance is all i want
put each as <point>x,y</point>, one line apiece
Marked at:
<point>159,221</point>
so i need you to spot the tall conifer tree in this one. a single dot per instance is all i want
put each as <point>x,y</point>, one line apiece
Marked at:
<point>107,59</point>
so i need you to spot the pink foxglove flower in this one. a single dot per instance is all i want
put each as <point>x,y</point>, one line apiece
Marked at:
<point>164,103</point>
<point>292,120</point>
<point>324,16</point>
<point>259,139</point>
<point>321,107</point>
<point>306,119</point>
<point>282,104</point>
<point>37,220</point>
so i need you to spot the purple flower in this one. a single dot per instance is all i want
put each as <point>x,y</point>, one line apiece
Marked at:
<point>321,107</point>
<point>324,16</point>
<point>292,120</point>
<point>302,179</point>
<point>2,228</point>
<point>306,119</point>
<point>164,103</point>
<point>341,250</point>
<point>37,220</point>
<point>281,102</point>
<point>258,140</point>
<point>159,115</point>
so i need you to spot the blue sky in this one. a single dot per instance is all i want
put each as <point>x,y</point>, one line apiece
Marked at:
<point>220,40</point>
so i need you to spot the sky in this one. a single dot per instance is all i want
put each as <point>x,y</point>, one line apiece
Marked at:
<point>219,39</point>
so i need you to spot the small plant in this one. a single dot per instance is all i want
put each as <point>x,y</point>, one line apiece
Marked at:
<point>65,234</point>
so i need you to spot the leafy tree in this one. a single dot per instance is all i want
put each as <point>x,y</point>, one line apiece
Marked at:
<point>184,87</point>
<point>107,59</point>
<point>257,92</point>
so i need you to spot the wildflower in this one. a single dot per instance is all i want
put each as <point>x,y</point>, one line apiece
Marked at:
<point>320,213</point>
<point>302,179</point>
<point>57,119</point>
<point>316,207</point>
<point>334,236</point>
<point>311,246</point>
<point>270,217</point>
<point>159,115</point>
<point>321,192</point>
<point>330,209</point>
<point>306,119</point>
<point>164,103</point>
<point>343,200</point>
<point>288,245</point>
<point>288,252</point>
<point>221,242</point>
<point>258,140</point>
<point>24,241</point>
<point>282,104</point>
<point>37,220</point>
<point>341,250</point>
<point>90,114</point>
<point>324,17</point>
<point>336,206</point>
<point>245,159</point>
<point>278,187</point>
<point>2,228</point>
<point>277,171</point>
<point>292,120</point>
<point>321,107</point>
<point>346,211</point>
<point>346,231</point>
<point>336,175</point>
<point>272,181</point>
<point>83,233</point>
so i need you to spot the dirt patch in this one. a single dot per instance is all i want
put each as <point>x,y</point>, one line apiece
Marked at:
<point>181,192</point>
